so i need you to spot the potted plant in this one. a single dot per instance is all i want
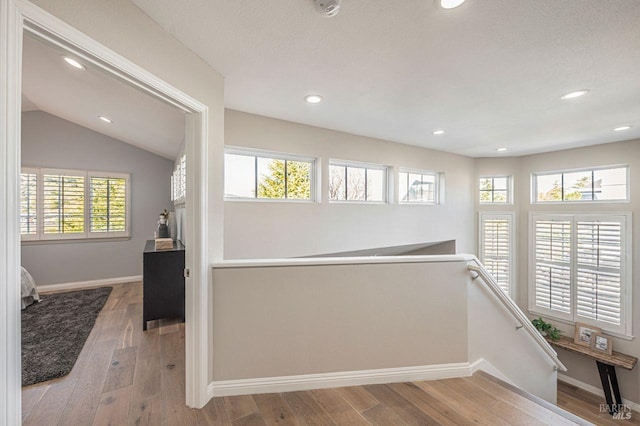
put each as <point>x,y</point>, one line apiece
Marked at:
<point>546,329</point>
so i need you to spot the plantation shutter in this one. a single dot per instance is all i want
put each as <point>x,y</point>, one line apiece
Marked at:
<point>552,248</point>
<point>108,204</point>
<point>63,204</point>
<point>183,178</point>
<point>599,269</point>
<point>28,203</point>
<point>496,245</point>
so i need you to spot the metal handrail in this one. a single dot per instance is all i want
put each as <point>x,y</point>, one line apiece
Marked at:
<point>515,310</point>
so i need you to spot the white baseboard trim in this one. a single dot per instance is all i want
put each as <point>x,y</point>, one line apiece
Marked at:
<point>337,379</point>
<point>595,390</point>
<point>86,284</point>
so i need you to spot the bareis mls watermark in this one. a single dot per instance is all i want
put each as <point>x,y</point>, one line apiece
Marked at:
<point>619,411</point>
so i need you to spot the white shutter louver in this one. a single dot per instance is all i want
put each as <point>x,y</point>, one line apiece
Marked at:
<point>28,203</point>
<point>599,268</point>
<point>63,204</point>
<point>108,204</point>
<point>553,265</point>
<point>496,244</point>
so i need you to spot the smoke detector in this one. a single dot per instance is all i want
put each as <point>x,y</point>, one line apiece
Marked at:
<point>327,8</point>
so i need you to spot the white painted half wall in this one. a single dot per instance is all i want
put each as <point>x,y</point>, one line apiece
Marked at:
<point>299,320</point>
<point>268,229</point>
<point>51,142</point>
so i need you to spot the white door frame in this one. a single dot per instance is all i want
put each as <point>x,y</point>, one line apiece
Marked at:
<point>17,16</point>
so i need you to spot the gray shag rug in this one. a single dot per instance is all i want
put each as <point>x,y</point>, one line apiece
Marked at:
<point>55,330</point>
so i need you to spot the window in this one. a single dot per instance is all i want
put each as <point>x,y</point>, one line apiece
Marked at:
<point>179,181</point>
<point>108,204</point>
<point>602,184</point>
<point>267,176</point>
<point>495,189</point>
<point>357,182</point>
<point>580,269</point>
<point>418,187</point>
<point>497,248</point>
<point>72,204</point>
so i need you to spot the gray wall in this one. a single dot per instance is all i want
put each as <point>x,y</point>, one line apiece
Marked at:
<point>48,141</point>
<point>580,367</point>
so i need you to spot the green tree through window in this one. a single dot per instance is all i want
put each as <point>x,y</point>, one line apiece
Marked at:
<point>286,179</point>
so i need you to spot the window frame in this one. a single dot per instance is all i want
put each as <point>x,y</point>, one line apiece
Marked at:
<point>511,216</point>
<point>41,237</point>
<point>625,329</point>
<point>360,165</point>
<point>256,153</point>
<point>509,189</point>
<point>436,186</point>
<point>534,185</point>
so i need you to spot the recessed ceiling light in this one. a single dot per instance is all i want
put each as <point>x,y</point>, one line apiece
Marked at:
<point>501,149</point>
<point>74,63</point>
<point>574,94</point>
<point>106,119</point>
<point>438,132</point>
<point>621,128</point>
<point>313,99</point>
<point>450,4</point>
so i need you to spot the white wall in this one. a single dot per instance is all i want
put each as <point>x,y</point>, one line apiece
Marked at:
<point>580,367</point>
<point>263,229</point>
<point>49,141</point>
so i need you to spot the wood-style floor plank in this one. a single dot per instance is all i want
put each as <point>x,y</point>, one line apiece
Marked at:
<point>405,410</point>
<point>253,419</point>
<point>306,408</point>
<point>338,409</point>
<point>580,401</point>
<point>88,390</point>
<point>49,409</point>
<point>358,398</point>
<point>121,370</point>
<point>126,376</point>
<point>274,409</point>
<point>113,409</point>
<point>380,415</point>
<point>526,405</point>
<point>432,406</point>
<point>239,406</point>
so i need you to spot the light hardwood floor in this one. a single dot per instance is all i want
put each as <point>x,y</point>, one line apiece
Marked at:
<point>125,376</point>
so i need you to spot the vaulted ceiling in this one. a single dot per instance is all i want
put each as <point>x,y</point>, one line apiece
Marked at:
<point>490,72</point>
<point>82,96</point>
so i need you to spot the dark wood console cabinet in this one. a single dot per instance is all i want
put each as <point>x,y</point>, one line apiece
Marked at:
<point>162,283</point>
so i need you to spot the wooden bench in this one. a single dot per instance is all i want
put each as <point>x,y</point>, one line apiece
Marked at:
<point>606,367</point>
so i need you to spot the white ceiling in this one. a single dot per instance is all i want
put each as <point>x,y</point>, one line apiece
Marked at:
<point>490,72</point>
<point>51,85</point>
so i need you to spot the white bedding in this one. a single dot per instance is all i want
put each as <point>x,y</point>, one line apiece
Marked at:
<point>28,288</point>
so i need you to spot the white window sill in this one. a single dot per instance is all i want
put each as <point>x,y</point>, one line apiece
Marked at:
<point>270,200</point>
<point>74,241</point>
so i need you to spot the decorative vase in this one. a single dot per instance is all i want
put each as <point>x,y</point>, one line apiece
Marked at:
<point>163,230</point>
<point>173,226</point>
